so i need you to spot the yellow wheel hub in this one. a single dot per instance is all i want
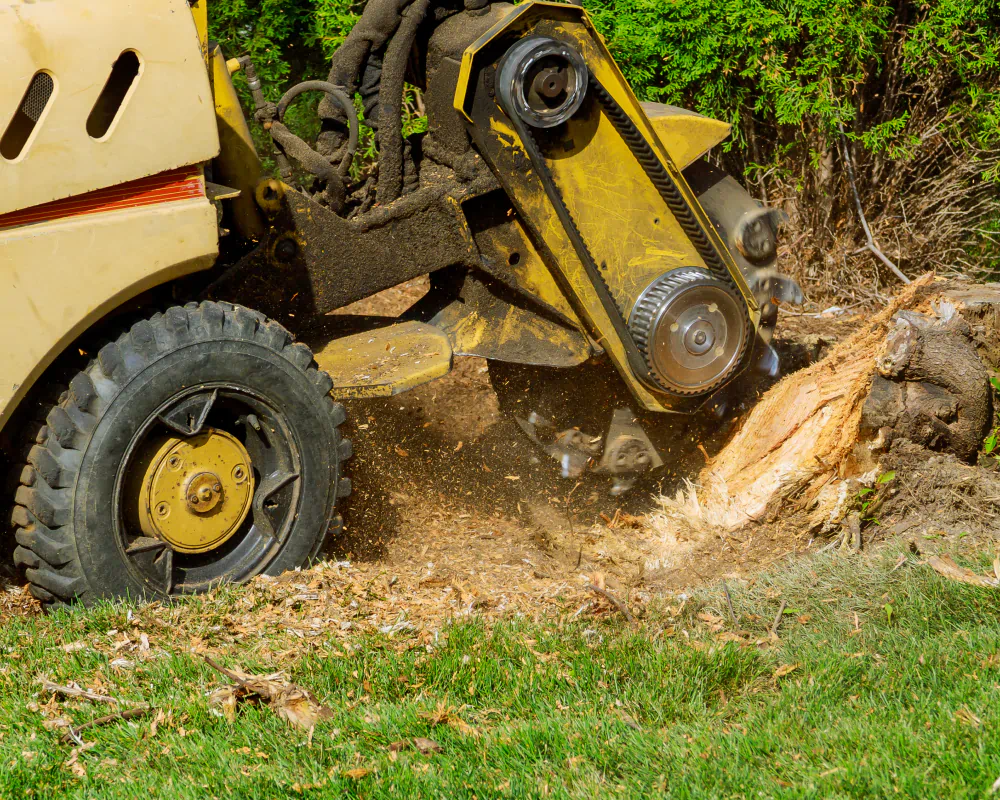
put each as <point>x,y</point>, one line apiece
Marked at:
<point>196,492</point>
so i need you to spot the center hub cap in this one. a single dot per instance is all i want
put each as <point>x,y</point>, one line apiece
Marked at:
<point>196,492</point>
<point>204,492</point>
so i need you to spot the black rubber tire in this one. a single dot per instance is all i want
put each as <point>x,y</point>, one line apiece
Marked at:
<point>63,513</point>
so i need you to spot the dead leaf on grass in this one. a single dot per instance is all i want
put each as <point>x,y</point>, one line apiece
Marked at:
<point>966,716</point>
<point>300,788</point>
<point>224,699</point>
<point>74,763</point>
<point>440,714</point>
<point>358,773</point>
<point>427,746</point>
<point>297,706</point>
<point>444,714</point>
<point>292,703</point>
<point>715,623</point>
<point>464,727</point>
<point>158,720</point>
<point>784,669</point>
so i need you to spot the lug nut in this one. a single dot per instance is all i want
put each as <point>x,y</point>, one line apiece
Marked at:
<point>285,250</point>
<point>217,488</point>
<point>193,499</point>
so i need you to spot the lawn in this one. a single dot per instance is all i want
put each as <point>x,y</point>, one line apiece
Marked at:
<point>883,680</point>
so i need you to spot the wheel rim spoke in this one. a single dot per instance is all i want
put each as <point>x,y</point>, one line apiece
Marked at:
<point>272,484</point>
<point>166,564</point>
<point>156,558</point>
<point>188,417</point>
<point>275,469</point>
<point>144,544</point>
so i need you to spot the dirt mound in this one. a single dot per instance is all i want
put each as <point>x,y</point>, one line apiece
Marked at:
<point>934,495</point>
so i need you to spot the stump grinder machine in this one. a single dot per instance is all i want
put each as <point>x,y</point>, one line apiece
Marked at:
<point>169,433</point>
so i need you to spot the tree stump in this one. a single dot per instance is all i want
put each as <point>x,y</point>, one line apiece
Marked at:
<point>917,371</point>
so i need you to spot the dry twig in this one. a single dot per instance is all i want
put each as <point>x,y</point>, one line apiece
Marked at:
<point>74,691</point>
<point>777,618</point>
<point>729,602</point>
<point>73,733</point>
<point>613,600</point>
<point>861,214</point>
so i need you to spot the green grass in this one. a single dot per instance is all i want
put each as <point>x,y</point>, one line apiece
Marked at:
<point>880,704</point>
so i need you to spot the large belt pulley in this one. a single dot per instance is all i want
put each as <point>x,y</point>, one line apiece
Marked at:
<point>690,329</point>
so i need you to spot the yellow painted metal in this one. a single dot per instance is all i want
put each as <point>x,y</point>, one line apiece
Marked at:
<point>237,165</point>
<point>387,361</point>
<point>626,224</point>
<point>196,492</point>
<point>199,10</point>
<point>687,136</point>
<point>526,265</point>
<point>509,333</point>
<point>270,195</point>
<point>166,119</point>
<point>116,256</point>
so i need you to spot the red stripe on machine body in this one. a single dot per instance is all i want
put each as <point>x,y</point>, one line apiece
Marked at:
<point>184,183</point>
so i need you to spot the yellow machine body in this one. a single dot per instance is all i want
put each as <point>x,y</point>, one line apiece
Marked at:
<point>89,222</point>
<point>134,209</point>
<point>625,222</point>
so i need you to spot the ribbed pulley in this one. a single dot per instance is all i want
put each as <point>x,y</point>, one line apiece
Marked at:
<point>691,329</point>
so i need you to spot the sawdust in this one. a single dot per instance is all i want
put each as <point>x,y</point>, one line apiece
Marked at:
<point>444,482</point>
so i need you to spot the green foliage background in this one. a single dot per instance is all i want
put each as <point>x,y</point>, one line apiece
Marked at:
<point>912,82</point>
<point>785,62</point>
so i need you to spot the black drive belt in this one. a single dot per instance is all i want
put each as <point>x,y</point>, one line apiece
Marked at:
<point>672,196</point>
